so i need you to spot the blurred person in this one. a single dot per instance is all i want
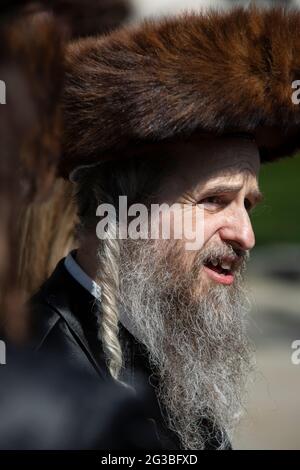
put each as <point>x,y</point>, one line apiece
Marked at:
<point>182,110</point>
<point>47,225</point>
<point>91,17</point>
<point>34,233</point>
<point>31,66</point>
<point>61,406</point>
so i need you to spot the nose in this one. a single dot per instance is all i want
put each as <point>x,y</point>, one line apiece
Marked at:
<point>238,231</point>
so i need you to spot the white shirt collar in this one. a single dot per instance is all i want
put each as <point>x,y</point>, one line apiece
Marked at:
<point>81,277</point>
<point>92,287</point>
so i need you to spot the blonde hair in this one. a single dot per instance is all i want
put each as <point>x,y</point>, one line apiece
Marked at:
<point>46,235</point>
<point>41,235</point>
<point>109,304</point>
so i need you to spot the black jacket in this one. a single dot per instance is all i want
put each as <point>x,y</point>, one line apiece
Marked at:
<point>64,319</point>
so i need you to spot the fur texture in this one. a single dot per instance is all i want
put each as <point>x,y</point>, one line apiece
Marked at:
<point>213,72</point>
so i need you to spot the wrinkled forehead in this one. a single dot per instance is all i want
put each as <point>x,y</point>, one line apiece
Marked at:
<point>238,151</point>
<point>199,159</point>
<point>211,155</point>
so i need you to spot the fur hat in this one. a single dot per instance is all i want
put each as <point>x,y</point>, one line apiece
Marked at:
<point>215,72</point>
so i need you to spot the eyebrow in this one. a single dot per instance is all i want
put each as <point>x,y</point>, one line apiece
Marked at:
<point>223,189</point>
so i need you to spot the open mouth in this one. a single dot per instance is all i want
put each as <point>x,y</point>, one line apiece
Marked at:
<point>220,270</point>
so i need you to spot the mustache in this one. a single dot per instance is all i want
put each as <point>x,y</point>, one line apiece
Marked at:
<point>238,258</point>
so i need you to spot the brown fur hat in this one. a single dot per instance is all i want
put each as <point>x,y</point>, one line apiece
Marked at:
<point>214,72</point>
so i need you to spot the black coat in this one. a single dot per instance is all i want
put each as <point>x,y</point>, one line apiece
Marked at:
<point>64,321</point>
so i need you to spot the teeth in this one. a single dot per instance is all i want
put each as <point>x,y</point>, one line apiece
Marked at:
<point>214,263</point>
<point>225,265</point>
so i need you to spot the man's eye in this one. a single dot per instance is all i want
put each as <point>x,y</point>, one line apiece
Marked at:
<point>212,201</point>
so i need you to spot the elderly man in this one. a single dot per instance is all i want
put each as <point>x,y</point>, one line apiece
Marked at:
<point>180,111</point>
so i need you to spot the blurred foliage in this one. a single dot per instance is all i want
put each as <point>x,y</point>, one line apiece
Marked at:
<point>277,219</point>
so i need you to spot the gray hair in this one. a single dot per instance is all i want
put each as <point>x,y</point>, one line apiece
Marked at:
<point>137,178</point>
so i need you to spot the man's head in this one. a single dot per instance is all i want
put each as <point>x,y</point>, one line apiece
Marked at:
<point>186,307</point>
<point>219,175</point>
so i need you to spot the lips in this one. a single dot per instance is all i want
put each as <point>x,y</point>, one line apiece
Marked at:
<point>221,270</point>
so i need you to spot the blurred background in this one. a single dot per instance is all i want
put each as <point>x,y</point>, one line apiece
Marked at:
<point>144,8</point>
<point>273,415</point>
<point>272,419</point>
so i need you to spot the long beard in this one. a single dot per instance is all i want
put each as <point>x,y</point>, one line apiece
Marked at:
<point>195,336</point>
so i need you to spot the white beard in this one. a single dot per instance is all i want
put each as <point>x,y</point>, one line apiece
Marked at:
<point>197,343</point>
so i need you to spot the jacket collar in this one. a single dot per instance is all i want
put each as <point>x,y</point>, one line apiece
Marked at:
<point>77,307</point>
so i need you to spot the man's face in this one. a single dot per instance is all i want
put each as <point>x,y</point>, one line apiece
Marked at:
<point>188,307</point>
<point>221,176</point>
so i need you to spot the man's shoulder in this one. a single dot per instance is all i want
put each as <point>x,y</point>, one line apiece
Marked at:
<point>44,321</point>
<point>61,321</point>
<point>44,317</point>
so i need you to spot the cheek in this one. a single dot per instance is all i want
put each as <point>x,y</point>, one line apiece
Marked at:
<point>180,261</point>
<point>212,224</point>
